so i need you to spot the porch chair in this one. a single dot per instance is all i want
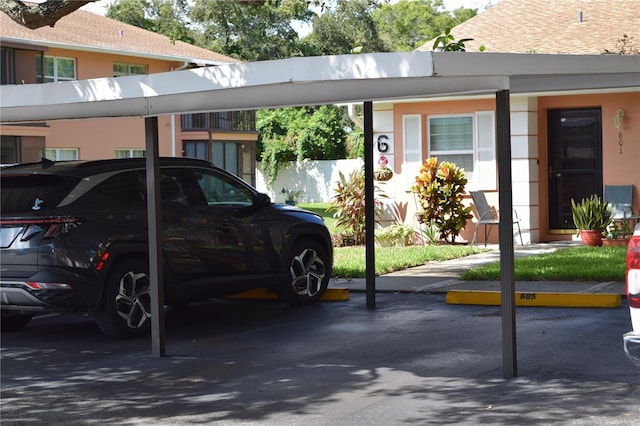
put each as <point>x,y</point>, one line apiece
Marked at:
<point>488,217</point>
<point>621,197</point>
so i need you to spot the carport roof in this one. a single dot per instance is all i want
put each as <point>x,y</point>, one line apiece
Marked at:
<point>318,80</point>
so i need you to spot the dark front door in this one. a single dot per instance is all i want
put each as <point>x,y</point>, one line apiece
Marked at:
<point>575,161</point>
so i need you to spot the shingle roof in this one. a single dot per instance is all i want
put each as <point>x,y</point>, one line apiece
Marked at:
<point>82,30</point>
<point>551,26</point>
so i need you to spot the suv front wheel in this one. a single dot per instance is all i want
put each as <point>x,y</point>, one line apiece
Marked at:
<point>126,305</point>
<point>307,275</point>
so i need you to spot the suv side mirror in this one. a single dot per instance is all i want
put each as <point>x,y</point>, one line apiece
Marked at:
<point>262,200</point>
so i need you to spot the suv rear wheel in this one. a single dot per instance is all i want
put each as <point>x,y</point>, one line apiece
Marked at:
<point>126,305</point>
<point>307,277</point>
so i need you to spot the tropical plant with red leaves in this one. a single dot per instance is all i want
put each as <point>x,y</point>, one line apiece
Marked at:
<point>348,203</point>
<point>440,189</point>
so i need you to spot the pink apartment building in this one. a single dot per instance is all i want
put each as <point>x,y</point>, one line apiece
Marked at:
<point>83,46</point>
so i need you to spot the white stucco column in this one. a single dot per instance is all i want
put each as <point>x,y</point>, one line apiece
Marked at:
<point>525,165</point>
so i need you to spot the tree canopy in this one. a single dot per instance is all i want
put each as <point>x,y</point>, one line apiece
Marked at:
<point>346,28</point>
<point>289,134</point>
<point>168,17</point>
<point>266,29</point>
<point>256,30</point>
<point>251,31</point>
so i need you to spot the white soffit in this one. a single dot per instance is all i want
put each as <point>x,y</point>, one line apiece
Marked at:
<point>316,80</point>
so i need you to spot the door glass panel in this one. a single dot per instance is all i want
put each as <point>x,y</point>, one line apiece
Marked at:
<point>231,157</point>
<point>575,162</point>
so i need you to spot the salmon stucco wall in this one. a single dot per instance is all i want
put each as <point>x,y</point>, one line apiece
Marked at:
<point>402,188</point>
<point>99,138</point>
<point>431,108</point>
<point>619,163</point>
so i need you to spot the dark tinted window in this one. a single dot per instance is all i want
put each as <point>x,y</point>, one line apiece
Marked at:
<point>222,190</point>
<point>33,193</point>
<point>127,188</point>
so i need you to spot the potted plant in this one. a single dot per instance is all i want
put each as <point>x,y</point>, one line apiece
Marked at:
<point>591,216</point>
<point>618,234</point>
<point>291,196</point>
<point>383,174</point>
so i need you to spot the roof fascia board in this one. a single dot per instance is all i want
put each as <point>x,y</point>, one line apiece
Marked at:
<point>523,84</point>
<point>20,43</point>
<point>346,91</point>
<point>460,64</point>
<point>204,83</point>
<point>307,81</point>
<point>514,93</point>
<point>249,98</point>
<point>135,54</point>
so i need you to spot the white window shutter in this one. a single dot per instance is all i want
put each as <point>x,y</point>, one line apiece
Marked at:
<point>412,146</point>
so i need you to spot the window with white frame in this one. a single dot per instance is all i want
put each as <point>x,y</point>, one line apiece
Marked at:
<point>129,153</point>
<point>56,69</point>
<point>121,69</point>
<point>468,140</point>
<point>61,154</point>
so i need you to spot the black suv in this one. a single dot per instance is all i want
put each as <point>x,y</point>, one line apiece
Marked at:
<point>74,238</point>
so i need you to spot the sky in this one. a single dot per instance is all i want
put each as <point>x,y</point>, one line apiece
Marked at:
<point>469,4</point>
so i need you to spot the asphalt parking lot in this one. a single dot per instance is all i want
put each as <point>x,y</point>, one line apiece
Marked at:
<point>411,360</point>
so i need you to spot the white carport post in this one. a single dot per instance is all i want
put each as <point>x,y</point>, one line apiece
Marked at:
<point>507,283</point>
<point>154,218</point>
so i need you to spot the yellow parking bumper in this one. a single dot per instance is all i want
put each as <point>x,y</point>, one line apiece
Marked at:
<point>567,300</point>
<point>332,294</point>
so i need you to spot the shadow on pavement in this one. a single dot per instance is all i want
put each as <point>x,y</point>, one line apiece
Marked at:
<point>413,359</point>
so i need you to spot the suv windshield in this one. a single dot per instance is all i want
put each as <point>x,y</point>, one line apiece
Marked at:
<point>33,193</point>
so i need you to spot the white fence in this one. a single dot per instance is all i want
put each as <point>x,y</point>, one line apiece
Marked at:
<point>314,179</point>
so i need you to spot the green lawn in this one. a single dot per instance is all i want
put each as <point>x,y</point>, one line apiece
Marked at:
<point>579,263</point>
<point>349,262</point>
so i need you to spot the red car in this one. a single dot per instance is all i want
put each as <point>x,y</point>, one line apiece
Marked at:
<point>632,338</point>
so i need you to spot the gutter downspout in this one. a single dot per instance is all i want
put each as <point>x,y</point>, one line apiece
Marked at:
<point>184,65</point>
<point>351,108</point>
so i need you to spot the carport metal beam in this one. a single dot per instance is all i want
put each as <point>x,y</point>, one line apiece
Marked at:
<point>154,218</point>
<point>505,204</point>
<point>369,207</point>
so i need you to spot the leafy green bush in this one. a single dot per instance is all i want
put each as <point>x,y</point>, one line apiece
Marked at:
<point>440,189</point>
<point>290,134</point>
<point>394,235</point>
<point>348,204</point>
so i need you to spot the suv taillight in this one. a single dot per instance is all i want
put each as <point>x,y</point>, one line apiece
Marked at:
<point>633,271</point>
<point>49,227</point>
